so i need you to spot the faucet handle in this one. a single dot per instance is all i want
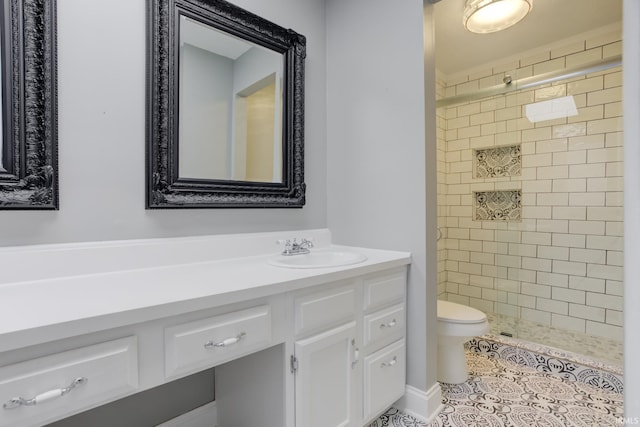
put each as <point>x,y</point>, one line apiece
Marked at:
<point>285,242</point>
<point>289,246</point>
<point>308,242</point>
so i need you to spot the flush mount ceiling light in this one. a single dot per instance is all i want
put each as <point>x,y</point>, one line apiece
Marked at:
<point>489,16</point>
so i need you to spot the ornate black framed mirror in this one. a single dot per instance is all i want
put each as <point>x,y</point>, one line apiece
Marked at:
<point>225,108</point>
<point>28,144</point>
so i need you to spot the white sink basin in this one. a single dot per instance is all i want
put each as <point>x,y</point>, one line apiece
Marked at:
<point>320,258</point>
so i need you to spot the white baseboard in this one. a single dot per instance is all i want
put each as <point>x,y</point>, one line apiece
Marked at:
<point>424,406</point>
<point>203,416</point>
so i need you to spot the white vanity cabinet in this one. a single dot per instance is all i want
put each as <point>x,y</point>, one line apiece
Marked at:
<point>384,361</point>
<point>290,347</point>
<point>349,355</point>
<point>326,357</point>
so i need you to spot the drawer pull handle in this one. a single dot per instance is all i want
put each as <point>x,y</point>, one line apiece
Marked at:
<point>16,402</point>
<point>356,354</point>
<point>226,342</point>
<point>388,325</point>
<point>389,363</point>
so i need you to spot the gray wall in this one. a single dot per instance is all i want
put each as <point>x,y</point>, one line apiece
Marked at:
<point>376,147</point>
<point>101,98</point>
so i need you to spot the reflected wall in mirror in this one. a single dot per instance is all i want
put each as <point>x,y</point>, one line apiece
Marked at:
<point>28,142</point>
<point>225,108</point>
<point>230,104</point>
<point>3,64</point>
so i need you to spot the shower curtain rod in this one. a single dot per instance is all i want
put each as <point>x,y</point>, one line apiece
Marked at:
<point>533,81</point>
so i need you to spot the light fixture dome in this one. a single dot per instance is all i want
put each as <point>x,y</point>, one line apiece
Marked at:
<point>489,16</point>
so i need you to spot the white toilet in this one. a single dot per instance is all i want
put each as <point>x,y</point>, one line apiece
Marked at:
<point>457,324</point>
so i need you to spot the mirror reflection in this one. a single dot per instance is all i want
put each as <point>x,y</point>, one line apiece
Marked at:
<point>2,169</point>
<point>230,107</point>
<point>28,105</point>
<point>2,84</point>
<point>225,108</point>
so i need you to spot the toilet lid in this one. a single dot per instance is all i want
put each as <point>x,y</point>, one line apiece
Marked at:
<point>458,313</point>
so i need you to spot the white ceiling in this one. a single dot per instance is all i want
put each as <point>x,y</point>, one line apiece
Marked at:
<point>208,38</point>
<point>458,50</point>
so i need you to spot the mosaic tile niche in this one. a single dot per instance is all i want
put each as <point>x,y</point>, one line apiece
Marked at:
<point>503,205</point>
<point>496,162</point>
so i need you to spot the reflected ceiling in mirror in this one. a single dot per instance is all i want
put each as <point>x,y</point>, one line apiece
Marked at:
<point>230,123</point>
<point>225,108</point>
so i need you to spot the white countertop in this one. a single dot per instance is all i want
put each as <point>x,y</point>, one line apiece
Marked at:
<point>43,310</point>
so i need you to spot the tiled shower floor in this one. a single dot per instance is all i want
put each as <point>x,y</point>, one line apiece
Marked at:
<point>602,348</point>
<point>501,393</point>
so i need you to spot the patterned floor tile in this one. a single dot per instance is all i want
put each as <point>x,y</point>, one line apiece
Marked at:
<point>555,362</point>
<point>501,393</point>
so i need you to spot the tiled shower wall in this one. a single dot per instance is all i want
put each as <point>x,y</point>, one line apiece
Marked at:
<point>561,264</point>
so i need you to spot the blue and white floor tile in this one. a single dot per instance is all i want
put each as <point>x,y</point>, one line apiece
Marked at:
<point>501,393</point>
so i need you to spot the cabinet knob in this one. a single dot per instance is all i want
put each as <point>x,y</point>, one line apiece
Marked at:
<point>356,354</point>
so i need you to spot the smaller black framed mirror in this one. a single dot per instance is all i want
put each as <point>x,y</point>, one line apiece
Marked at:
<point>225,108</point>
<point>28,136</point>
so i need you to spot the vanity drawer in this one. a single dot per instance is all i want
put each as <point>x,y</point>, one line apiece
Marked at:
<point>384,325</point>
<point>324,309</point>
<point>384,289</point>
<point>93,375</point>
<point>215,340</point>
<point>384,378</point>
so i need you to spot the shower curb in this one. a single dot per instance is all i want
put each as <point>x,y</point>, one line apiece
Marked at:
<point>563,364</point>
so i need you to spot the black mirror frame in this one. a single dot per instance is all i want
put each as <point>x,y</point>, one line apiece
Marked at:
<point>29,125</point>
<point>165,189</point>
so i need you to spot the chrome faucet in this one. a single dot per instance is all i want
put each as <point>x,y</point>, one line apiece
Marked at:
<point>296,248</point>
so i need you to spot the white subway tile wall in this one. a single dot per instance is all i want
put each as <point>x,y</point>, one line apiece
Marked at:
<point>562,264</point>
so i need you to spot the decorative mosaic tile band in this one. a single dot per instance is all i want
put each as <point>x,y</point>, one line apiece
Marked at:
<point>497,205</point>
<point>553,362</point>
<point>497,162</point>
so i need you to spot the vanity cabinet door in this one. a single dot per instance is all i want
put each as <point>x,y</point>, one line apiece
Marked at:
<point>328,379</point>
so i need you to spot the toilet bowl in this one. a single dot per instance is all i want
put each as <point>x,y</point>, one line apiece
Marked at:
<point>457,324</point>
